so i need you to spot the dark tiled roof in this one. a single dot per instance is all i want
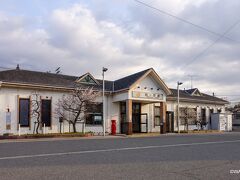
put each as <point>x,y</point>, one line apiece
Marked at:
<point>59,80</point>
<point>127,81</point>
<point>108,85</point>
<point>190,91</point>
<point>185,95</point>
<point>42,78</point>
<point>39,78</point>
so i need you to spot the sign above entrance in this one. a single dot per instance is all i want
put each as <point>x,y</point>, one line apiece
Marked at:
<point>147,95</point>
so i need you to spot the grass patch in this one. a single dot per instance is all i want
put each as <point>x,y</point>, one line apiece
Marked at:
<point>50,135</point>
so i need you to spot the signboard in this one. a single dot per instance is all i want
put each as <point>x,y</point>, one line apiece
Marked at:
<point>8,120</point>
<point>147,95</point>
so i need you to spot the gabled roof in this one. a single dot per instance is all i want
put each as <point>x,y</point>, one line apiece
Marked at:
<point>129,81</point>
<point>126,82</point>
<point>187,97</point>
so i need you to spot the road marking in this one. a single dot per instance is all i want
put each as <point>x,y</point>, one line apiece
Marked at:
<point>117,149</point>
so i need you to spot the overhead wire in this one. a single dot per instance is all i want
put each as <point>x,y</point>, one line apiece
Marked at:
<point>212,44</point>
<point>183,20</point>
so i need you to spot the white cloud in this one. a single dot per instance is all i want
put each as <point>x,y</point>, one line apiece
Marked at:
<point>76,39</point>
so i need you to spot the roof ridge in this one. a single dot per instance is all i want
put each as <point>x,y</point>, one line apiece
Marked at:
<point>134,74</point>
<point>40,72</point>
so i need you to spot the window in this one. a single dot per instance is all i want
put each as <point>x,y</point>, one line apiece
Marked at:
<point>123,111</point>
<point>24,112</point>
<point>203,116</point>
<point>156,116</point>
<point>94,119</point>
<point>88,79</point>
<point>46,110</point>
<point>94,114</point>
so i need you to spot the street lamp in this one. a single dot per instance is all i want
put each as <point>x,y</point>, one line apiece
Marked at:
<point>178,119</point>
<point>103,95</point>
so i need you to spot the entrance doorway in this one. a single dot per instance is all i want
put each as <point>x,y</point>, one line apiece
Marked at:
<point>136,117</point>
<point>170,122</point>
<point>139,120</point>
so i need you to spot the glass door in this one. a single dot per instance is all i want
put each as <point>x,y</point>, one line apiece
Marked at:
<point>136,117</point>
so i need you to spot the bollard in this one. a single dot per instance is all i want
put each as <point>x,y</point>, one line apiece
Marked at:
<point>19,129</point>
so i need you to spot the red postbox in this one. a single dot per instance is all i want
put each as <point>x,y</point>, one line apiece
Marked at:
<point>114,127</point>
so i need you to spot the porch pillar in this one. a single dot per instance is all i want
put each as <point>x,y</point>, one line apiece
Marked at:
<point>129,116</point>
<point>163,108</point>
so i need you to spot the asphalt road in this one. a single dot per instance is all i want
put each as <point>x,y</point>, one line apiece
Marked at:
<point>165,157</point>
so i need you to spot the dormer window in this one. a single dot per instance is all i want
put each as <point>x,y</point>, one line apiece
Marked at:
<point>88,79</point>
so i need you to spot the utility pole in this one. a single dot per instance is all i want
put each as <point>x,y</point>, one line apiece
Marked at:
<point>103,95</point>
<point>191,79</point>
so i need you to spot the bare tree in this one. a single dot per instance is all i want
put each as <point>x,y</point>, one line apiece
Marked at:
<point>73,107</point>
<point>188,116</point>
<point>184,117</point>
<point>36,111</point>
<point>201,122</point>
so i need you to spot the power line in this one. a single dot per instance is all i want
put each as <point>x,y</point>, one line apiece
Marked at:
<point>220,36</point>
<point>212,44</point>
<point>183,20</point>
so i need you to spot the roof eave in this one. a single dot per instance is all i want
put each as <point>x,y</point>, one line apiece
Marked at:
<point>197,100</point>
<point>35,86</point>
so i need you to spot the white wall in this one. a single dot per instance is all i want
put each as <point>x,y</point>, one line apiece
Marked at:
<point>9,99</point>
<point>172,106</point>
<point>151,86</point>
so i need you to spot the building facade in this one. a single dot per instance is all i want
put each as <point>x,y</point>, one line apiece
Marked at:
<point>140,103</point>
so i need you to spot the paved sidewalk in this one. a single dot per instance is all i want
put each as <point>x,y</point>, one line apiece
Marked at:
<point>61,139</point>
<point>138,135</point>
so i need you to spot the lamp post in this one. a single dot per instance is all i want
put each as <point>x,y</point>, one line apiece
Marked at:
<point>103,100</point>
<point>178,119</point>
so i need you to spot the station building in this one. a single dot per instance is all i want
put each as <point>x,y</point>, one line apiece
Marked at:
<point>140,103</point>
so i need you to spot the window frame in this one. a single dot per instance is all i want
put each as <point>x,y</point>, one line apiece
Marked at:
<point>92,115</point>
<point>50,112</point>
<point>157,116</point>
<point>29,112</point>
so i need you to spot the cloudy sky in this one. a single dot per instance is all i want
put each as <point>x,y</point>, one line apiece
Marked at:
<point>126,36</point>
